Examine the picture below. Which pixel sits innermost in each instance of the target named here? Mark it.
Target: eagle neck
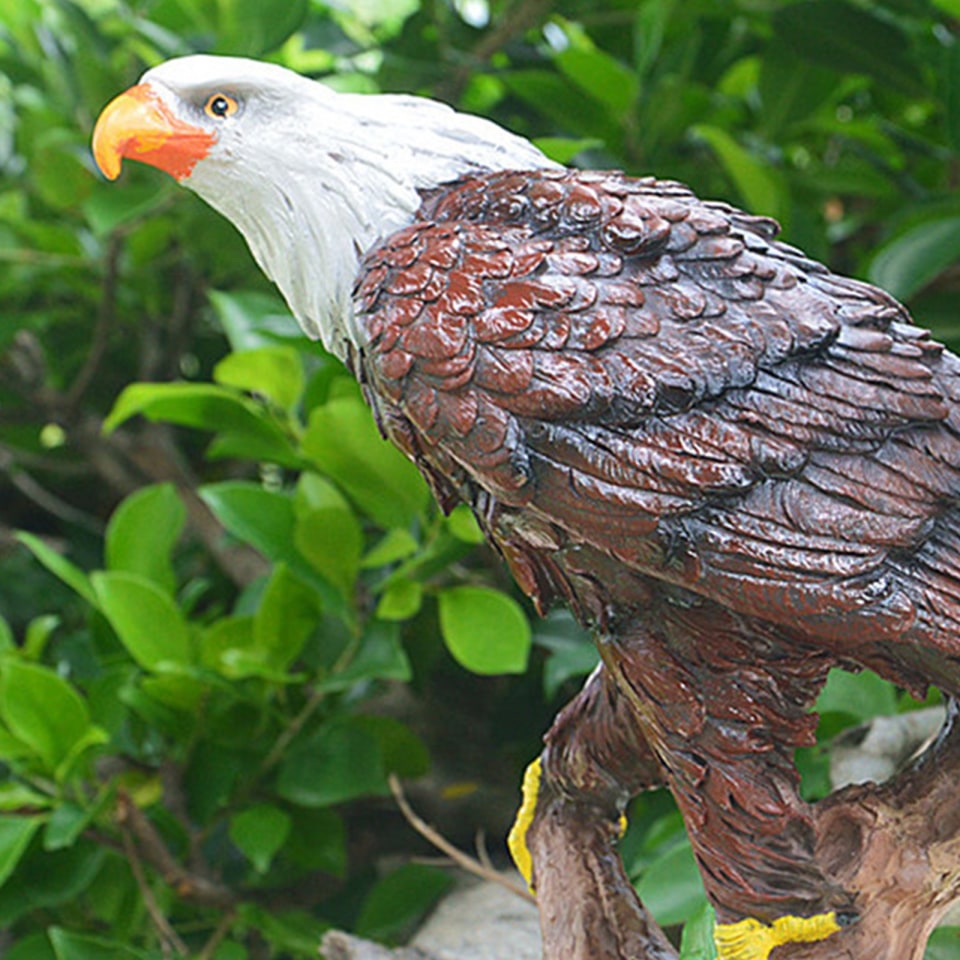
(311, 207)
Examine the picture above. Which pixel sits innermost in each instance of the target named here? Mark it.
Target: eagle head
(311, 177)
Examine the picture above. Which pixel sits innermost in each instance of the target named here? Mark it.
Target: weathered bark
(897, 847)
(887, 855)
(596, 757)
(588, 909)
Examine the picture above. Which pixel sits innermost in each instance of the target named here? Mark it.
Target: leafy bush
(231, 611)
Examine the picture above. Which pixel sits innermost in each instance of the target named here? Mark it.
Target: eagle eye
(220, 105)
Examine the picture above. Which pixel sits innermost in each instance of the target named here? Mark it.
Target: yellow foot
(517, 838)
(752, 940)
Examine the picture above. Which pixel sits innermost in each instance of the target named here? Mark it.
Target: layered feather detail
(662, 379)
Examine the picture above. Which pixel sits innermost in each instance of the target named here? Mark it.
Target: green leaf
(398, 901)
(327, 532)
(791, 89)
(401, 750)
(15, 836)
(257, 516)
(266, 520)
(572, 651)
(39, 631)
(601, 77)
(650, 26)
(259, 832)
(951, 7)
(225, 633)
(58, 171)
(253, 29)
(949, 77)
(34, 946)
(206, 406)
(66, 823)
(813, 765)
(859, 696)
(42, 710)
(380, 657)
(463, 525)
(560, 100)
(755, 182)
(566, 149)
(343, 442)
(485, 630)
(913, 259)
(76, 946)
(176, 687)
(15, 796)
(849, 39)
(401, 600)
(6, 637)
(59, 566)
(202, 405)
(252, 319)
(14, 750)
(395, 545)
(142, 533)
(697, 942)
(215, 772)
(339, 762)
(287, 615)
(321, 840)
(290, 933)
(147, 621)
(275, 372)
(388, 15)
(50, 879)
(108, 208)
(671, 888)
(944, 942)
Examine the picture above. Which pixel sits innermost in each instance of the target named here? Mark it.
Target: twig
(480, 844)
(186, 884)
(463, 860)
(168, 935)
(216, 938)
(314, 698)
(101, 333)
(521, 16)
(50, 502)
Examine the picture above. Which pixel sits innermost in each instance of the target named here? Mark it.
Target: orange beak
(138, 125)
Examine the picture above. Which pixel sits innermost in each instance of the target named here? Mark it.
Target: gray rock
(482, 921)
(879, 749)
(478, 921)
(337, 945)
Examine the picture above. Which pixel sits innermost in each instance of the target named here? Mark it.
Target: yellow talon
(517, 838)
(752, 940)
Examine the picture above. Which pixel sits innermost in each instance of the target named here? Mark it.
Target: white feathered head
(311, 177)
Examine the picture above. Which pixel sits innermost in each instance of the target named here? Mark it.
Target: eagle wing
(661, 378)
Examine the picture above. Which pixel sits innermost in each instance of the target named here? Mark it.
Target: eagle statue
(738, 469)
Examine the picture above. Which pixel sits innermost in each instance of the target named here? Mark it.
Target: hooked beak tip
(139, 125)
(114, 131)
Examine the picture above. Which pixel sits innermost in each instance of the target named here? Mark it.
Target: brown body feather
(736, 466)
(659, 378)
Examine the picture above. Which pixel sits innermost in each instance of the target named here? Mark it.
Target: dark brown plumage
(736, 466)
(739, 469)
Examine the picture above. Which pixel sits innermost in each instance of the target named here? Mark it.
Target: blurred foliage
(230, 611)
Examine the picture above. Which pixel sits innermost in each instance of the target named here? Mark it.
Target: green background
(221, 628)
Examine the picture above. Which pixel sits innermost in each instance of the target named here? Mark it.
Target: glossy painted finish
(737, 467)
